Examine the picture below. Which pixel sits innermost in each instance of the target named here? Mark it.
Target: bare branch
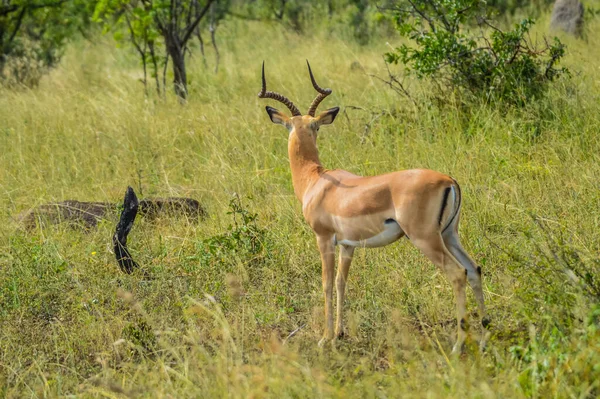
(213, 29)
(155, 65)
(394, 83)
(201, 40)
(17, 26)
(142, 52)
(296, 331)
(190, 29)
(165, 74)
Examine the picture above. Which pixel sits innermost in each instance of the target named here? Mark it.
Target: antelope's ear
(327, 117)
(277, 117)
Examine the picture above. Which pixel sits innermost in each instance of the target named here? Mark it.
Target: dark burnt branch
(130, 208)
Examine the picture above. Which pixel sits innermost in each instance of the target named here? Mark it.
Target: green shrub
(492, 64)
(33, 35)
(243, 240)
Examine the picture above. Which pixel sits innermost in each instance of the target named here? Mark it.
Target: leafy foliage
(149, 24)
(495, 65)
(244, 238)
(33, 34)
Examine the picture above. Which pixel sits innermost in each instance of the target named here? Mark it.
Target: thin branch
(394, 83)
(191, 28)
(199, 36)
(172, 19)
(213, 29)
(279, 14)
(165, 74)
(155, 65)
(141, 51)
(486, 22)
(296, 331)
(367, 128)
(422, 15)
(442, 17)
(7, 9)
(191, 8)
(17, 26)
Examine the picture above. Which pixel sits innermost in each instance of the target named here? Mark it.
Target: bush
(494, 65)
(33, 35)
(243, 240)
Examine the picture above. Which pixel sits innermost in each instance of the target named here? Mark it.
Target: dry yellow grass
(215, 324)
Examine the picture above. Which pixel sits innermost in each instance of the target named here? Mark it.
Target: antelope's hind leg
(434, 248)
(452, 241)
(346, 254)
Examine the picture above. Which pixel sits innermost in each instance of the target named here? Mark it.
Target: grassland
(212, 317)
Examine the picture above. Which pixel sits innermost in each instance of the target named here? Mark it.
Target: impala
(352, 211)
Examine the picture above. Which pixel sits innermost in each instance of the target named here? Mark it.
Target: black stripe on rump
(444, 203)
(457, 208)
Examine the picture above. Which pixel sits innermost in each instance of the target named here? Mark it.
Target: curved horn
(320, 97)
(276, 96)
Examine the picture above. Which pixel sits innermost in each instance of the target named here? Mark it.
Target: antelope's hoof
(485, 322)
(340, 334)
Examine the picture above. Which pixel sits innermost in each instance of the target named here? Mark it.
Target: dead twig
(296, 331)
(375, 115)
(394, 83)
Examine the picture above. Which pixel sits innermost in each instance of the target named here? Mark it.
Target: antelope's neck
(305, 164)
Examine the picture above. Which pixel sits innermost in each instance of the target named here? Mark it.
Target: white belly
(390, 233)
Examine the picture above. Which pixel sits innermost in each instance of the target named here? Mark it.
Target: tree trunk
(179, 74)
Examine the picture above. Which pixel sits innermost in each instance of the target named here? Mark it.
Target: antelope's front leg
(326, 248)
(346, 254)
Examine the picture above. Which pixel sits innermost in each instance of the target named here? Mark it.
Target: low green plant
(244, 239)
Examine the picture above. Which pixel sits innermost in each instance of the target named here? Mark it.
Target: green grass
(215, 324)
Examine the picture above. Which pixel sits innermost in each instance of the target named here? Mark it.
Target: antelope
(352, 211)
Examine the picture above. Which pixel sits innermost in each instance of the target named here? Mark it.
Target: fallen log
(87, 215)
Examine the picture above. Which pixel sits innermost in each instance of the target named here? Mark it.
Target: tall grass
(232, 322)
